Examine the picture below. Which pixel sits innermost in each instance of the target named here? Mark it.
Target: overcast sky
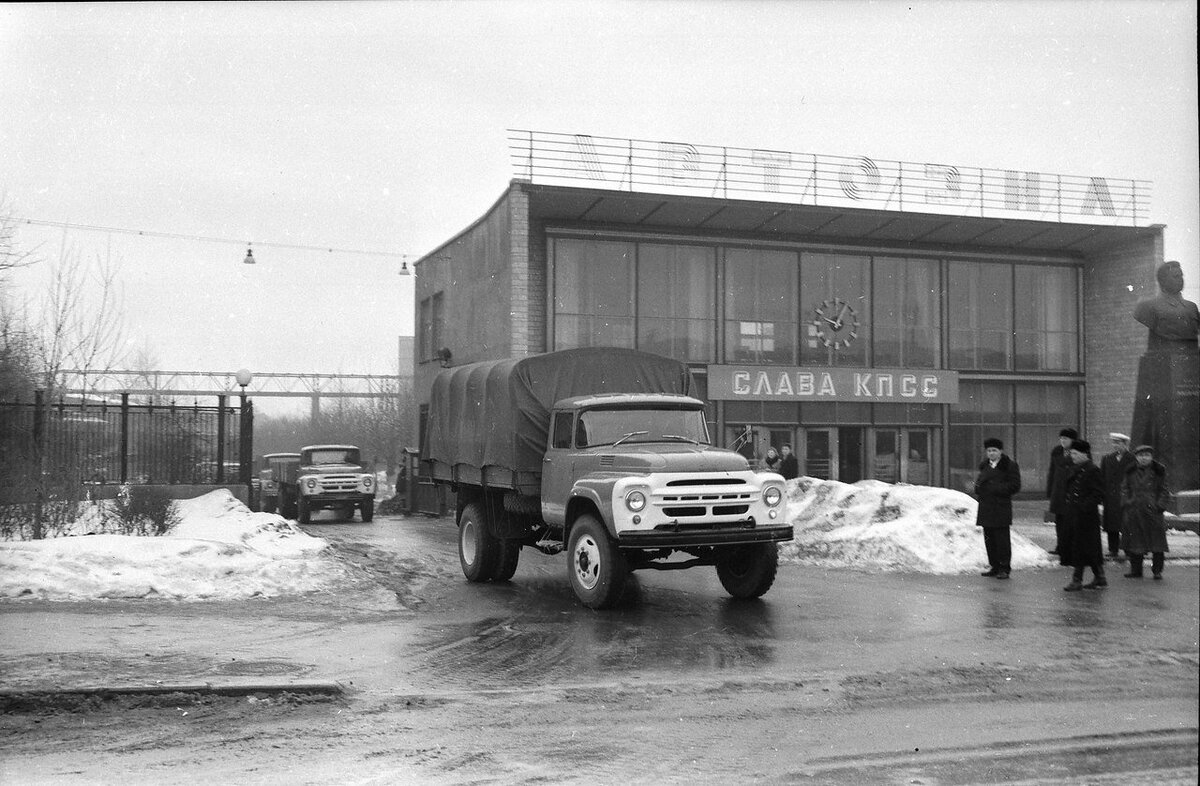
(381, 127)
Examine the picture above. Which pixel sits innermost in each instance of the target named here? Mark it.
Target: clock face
(836, 323)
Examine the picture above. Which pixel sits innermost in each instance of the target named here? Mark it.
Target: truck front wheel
(596, 567)
(478, 549)
(367, 509)
(748, 571)
(303, 513)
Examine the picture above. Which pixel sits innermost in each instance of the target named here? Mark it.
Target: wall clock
(836, 323)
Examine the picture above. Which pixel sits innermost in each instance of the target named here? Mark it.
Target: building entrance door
(901, 455)
(820, 453)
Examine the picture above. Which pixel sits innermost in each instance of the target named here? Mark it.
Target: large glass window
(1047, 318)
(835, 309)
(760, 306)
(593, 294)
(981, 315)
(1042, 410)
(906, 326)
(677, 301)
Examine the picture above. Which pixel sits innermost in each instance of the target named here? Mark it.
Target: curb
(16, 700)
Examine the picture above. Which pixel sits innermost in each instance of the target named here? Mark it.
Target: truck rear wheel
(268, 505)
(506, 564)
(748, 571)
(367, 509)
(478, 549)
(596, 567)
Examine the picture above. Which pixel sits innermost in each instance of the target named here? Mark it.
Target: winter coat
(1114, 466)
(789, 467)
(1145, 496)
(1084, 491)
(771, 463)
(994, 488)
(1056, 478)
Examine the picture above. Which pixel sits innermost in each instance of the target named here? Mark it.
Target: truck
(603, 453)
(278, 471)
(329, 477)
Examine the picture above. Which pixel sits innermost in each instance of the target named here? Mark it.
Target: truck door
(557, 469)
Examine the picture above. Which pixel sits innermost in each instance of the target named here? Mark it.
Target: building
(882, 318)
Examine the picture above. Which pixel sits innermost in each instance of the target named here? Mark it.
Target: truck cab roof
(673, 400)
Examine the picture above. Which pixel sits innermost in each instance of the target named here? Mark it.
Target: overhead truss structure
(224, 383)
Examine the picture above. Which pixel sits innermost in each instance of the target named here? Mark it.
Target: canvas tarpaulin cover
(496, 414)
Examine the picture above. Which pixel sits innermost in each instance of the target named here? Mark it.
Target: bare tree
(11, 254)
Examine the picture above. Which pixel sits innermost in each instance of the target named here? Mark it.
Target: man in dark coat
(999, 479)
(1056, 478)
(1113, 467)
(1146, 496)
(789, 466)
(1081, 519)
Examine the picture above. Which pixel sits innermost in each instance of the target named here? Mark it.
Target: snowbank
(220, 550)
(871, 525)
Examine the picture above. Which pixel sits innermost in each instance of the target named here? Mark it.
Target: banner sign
(826, 180)
(877, 385)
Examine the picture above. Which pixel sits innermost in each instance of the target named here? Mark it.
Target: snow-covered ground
(221, 550)
(871, 525)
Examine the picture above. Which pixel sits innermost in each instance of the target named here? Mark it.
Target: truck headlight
(311, 483)
(635, 501)
(367, 481)
(772, 496)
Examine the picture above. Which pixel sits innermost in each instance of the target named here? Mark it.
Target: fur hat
(1082, 445)
(1069, 433)
(992, 442)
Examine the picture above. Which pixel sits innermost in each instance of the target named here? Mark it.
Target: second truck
(605, 454)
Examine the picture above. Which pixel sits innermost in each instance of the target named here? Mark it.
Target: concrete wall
(1114, 280)
(474, 271)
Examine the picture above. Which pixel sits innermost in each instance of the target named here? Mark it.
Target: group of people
(783, 461)
(1130, 487)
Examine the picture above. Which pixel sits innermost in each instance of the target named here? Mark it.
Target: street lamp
(404, 271)
(249, 260)
(245, 434)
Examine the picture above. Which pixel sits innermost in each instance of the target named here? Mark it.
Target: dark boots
(1135, 566)
(1156, 565)
(1098, 580)
(1076, 581)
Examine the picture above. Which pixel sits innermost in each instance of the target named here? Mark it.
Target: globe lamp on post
(246, 434)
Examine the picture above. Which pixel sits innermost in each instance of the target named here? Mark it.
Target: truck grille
(339, 483)
(699, 504)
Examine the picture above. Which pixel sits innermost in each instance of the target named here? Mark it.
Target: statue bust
(1173, 321)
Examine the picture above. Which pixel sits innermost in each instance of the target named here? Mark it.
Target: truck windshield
(333, 456)
(609, 426)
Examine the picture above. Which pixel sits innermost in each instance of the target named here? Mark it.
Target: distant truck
(278, 472)
(329, 477)
(603, 453)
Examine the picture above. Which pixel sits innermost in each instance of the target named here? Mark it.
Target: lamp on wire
(249, 260)
(404, 271)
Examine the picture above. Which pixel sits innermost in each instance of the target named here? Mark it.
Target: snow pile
(220, 550)
(878, 526)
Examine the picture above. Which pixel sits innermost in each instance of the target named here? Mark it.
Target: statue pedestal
(1166, 413)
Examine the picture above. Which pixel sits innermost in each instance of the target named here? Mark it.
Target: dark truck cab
(603, 453)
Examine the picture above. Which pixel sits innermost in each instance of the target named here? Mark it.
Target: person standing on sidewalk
(1056, 485)
(1146, 497)
(999, 479)
(1081, 530)
(1113, 466)
(789, 466)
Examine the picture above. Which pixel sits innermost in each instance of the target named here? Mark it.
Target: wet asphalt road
(835, 676)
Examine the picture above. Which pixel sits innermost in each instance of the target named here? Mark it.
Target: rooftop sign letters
(828, 180)
(871, 385)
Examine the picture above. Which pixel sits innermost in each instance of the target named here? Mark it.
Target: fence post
(124, 438)
(220, 439)
(246, 444)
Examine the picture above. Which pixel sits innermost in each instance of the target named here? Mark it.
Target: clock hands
(838, 324)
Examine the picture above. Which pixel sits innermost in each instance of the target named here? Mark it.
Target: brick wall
(1114, 280)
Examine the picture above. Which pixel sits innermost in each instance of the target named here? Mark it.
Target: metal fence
(105, 441)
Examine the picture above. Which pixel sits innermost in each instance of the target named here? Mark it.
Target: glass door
(820, 453)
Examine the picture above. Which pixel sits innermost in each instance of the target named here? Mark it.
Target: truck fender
(592, 495)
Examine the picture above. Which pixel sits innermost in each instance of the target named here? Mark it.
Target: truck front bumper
(673, 536)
